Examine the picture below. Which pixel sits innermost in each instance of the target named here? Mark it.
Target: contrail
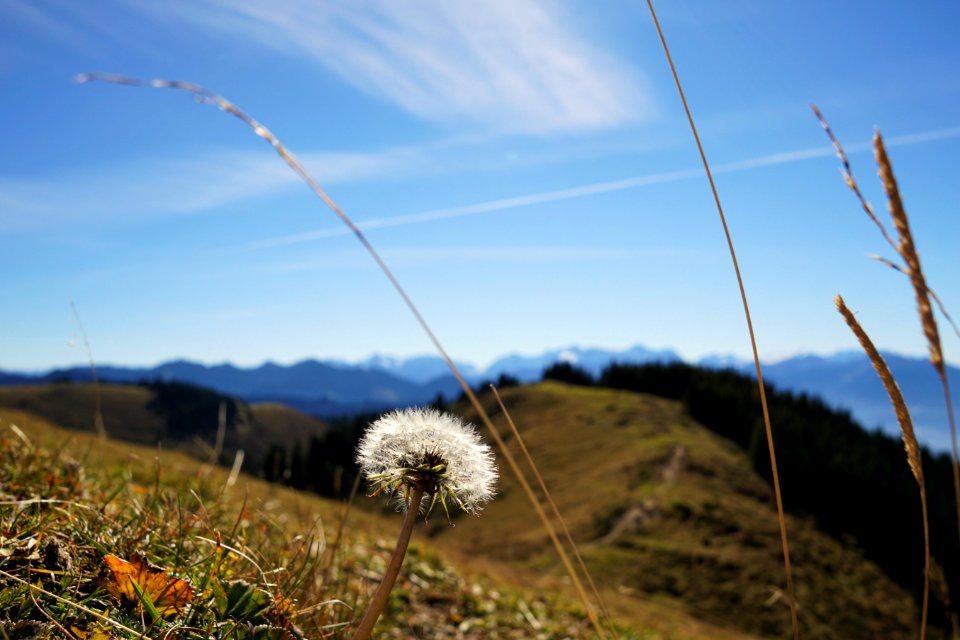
(583, 191)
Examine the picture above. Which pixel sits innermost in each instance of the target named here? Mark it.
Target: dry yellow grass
(909, 440)
(784, 541)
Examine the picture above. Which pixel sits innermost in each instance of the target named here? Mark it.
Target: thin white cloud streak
(212, 316)
(217, 179)
(493, 206)
(422, 256)
(508, 66)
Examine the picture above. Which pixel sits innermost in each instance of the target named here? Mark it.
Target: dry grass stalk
(933, 296)
(910, 443)
(226, 106)
(97, 412)
(907, 250)
(753, 341)
(847, 173)
(555, 509)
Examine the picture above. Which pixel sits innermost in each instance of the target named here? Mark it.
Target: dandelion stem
(382, 594)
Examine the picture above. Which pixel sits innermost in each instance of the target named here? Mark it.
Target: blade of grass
(69, 603)
(335, 547)
(753, 340)
(97, 413)
(53, 621)
(910, 443)
(847, 172)
(226, 106)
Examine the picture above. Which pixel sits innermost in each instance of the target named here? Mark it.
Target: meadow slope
(183, 417)
(678, 531)
(173, 509)
(667, 511)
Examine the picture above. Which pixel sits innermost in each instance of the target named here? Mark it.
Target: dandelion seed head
(431, 450)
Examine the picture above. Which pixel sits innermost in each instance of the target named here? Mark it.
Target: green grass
(69, 500)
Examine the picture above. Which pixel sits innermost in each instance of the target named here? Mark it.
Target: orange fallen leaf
(131, 580)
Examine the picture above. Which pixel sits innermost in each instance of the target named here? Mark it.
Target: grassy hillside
(124, 408)
(262, 561)
(180, 416)
(677, 529)
(667, 510)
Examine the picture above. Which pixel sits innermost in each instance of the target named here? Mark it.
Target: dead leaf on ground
(137, 582)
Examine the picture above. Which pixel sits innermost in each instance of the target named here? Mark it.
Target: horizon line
(746, 359)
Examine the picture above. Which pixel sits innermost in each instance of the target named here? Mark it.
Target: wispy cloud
(81, 27)
(148, 188)
(40, 19)
(521, 67)
(596, 188)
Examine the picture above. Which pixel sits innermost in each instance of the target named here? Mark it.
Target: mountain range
(844, 380)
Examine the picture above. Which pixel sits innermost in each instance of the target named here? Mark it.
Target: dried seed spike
(910, 443)
(908, 251)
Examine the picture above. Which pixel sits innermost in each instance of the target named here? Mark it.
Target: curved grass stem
(753, 340)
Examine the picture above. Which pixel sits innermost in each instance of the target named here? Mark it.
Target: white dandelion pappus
(434, 451)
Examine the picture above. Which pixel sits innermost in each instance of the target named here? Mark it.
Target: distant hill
(176, 415)
(312, 386)
(325, 388)
(419, 369)
(848, 381)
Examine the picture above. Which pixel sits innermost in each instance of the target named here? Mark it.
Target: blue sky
(524, 167)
